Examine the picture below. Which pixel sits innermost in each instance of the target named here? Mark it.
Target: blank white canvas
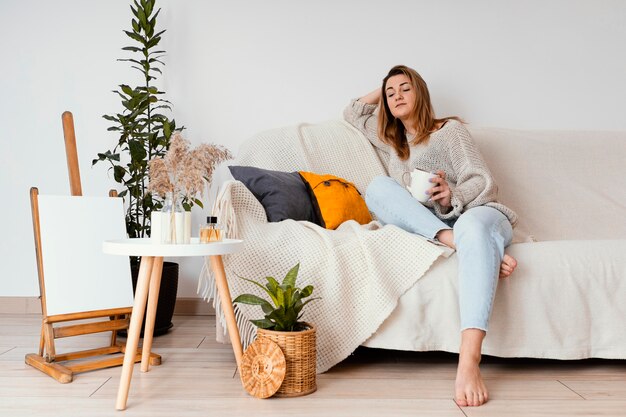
(78, 276)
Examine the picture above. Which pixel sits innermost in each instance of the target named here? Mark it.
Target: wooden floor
(197, 379)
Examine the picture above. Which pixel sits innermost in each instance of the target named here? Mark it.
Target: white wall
(235, 68)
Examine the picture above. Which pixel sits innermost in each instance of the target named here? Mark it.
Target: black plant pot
(167, 298)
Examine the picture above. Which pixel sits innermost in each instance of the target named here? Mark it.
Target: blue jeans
(480, 236)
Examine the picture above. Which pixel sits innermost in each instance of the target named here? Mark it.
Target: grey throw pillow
(282, 194)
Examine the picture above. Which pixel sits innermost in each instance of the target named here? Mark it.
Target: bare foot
(470, 390)
(507, 266)
(446, 236)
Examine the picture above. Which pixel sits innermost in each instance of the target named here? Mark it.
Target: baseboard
(193, 307)
(32, 305)
(20, 305)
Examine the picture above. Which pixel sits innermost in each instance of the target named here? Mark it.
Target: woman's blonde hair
(392, 130)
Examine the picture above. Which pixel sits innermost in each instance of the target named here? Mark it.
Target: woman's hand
(441, 191)
(371, 98)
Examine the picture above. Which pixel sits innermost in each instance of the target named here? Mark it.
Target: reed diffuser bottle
(211, 231)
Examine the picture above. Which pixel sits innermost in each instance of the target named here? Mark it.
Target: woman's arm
(474, 185)
(360, 114)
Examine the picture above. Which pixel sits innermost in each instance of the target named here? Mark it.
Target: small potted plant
(282, 326)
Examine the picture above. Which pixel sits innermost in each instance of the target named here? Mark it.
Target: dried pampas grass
(184, 171)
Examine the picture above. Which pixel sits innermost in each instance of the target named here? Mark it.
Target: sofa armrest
(246, 204)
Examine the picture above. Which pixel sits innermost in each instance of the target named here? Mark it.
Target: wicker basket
(300, 355)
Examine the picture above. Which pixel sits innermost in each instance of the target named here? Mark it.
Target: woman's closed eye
(404, 90)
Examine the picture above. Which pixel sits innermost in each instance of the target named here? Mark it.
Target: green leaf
(131, 48)
(166, 129)
(271, 285)
(160, 33)
(306, 291)
(118, 173)
(289, 299)
(198, 202)
(141, 15)
(310, 299)
(297, 307)
(130, 60)
(149, 6)
(153, 20)
(112, 156)
(136, 37)
(290, 278)
(137, 151)
(290, 319)
(252, 300)
(262, 287)
(280, 318)
(263, 323)
(126, 89)
(136, 28)
(267, 308)
(280, 297)
(153, 42)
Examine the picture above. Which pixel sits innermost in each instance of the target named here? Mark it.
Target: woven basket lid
(263, 368)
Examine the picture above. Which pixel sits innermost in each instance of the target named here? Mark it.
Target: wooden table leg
(227, 306)
(153, 299)
(134, 330)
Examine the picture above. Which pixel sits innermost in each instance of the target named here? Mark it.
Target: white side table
(147, 289)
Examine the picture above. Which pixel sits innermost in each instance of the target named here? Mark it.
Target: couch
(566, 299)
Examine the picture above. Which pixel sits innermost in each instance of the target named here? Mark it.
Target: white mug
(419, 183)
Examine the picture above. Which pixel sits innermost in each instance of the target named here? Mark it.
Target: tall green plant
(144, 132)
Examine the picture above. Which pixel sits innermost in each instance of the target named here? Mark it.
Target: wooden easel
(47, 360)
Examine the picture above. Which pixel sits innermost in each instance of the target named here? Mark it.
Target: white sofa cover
(567, 298)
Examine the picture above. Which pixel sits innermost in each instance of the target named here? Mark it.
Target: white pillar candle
(180, 227)
(166, 227)
(156, 226)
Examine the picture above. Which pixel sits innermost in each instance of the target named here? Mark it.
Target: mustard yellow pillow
(335, 200)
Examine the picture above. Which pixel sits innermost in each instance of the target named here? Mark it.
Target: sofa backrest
(564, 185)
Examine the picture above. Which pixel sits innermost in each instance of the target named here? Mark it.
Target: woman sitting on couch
(462, 212)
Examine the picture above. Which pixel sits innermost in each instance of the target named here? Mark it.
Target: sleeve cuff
(362, 107)
(457, 206)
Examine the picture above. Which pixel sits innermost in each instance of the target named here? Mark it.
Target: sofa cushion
(282, 194)
(335, 200)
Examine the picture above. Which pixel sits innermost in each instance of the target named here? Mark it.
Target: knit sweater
(450, 149)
